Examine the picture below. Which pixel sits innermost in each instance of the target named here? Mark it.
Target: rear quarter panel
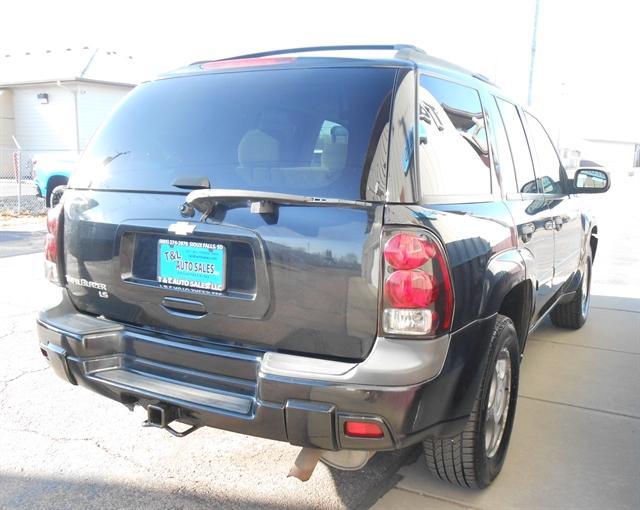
(480, 243)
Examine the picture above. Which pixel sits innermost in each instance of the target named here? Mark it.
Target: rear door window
(453, 148)
(502, 157)
(300, 131)
(526, 178)
(547, 162)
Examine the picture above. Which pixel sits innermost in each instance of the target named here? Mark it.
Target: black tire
(573, 315)
(56, 195)
(464, 459)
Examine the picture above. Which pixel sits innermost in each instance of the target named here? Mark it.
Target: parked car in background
(340, 251)
(51, 174)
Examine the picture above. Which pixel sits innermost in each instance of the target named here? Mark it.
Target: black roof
(374, 54)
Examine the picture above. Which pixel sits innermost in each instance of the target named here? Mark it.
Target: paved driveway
(576, 439)
(576, 442)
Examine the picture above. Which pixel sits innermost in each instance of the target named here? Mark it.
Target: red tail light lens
(51, 244)
(51, 248)
(408, 251)
(246, 62)
(410, 289)
(363, 429)
(417, 292)
(51, 239)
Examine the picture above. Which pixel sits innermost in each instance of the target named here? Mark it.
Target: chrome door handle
(526, 231)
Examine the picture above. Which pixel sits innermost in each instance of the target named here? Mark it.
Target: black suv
(343, 248)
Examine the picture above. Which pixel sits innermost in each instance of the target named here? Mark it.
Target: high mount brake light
(51, 250)
(246, 62)
(417, 291)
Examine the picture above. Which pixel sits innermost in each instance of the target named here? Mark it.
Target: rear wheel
(56, 184)
(474, 457)
(56, 195)
(573, 314)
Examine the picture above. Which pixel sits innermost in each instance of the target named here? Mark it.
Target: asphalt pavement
(576, 441)
(20, 242)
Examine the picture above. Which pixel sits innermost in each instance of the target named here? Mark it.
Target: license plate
(191, 264)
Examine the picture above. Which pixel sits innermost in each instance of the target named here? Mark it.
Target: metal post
(533, 52)
(19, 184)
(17, 163)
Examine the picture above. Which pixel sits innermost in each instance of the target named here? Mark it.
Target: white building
(53, 101)
(612, 154)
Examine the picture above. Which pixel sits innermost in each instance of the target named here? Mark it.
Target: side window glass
(547, 161)
(502, 158)
(525, 176)
(453, 147)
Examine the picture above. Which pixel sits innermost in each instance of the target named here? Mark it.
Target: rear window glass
(302, 131)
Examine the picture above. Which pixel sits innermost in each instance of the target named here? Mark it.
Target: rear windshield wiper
(261, 202)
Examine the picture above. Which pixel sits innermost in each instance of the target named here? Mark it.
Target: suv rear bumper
(412, 389)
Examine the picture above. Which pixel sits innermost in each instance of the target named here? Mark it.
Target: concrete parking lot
(576, 441)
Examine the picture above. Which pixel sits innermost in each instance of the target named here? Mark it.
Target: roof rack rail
(308, 49)
(482, 77)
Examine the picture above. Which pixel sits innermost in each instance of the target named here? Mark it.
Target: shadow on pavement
(33, 491)
(64, 493)
(378, 477)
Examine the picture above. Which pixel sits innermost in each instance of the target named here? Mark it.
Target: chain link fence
(19, 190)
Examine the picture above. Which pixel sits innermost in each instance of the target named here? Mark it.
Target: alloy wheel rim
(498, 403)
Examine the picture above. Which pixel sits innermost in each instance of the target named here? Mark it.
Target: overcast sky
(586, 75)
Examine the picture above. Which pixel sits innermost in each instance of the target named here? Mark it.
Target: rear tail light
(363, 429)
(417, 292)
(408, 251)
(52, 244)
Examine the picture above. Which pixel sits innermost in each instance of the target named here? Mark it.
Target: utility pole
(533, 52)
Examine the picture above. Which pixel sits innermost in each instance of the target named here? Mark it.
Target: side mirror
(591, 180)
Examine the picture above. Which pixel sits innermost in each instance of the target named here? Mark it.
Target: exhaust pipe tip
(346, 460)
(305, 464)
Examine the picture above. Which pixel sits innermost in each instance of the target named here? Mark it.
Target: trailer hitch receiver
(162, 415)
